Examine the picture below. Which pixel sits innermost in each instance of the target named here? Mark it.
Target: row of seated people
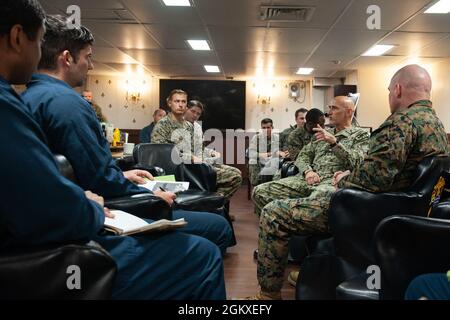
(56, 210)
(346, 157)
(50, 117)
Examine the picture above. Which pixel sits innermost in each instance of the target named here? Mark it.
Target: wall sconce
(263, 99)
(264, 92)
(134, 91)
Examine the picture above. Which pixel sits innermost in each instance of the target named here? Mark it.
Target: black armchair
(43, 273)
(409, 246)
(355, 214)
(142, 205)
(201, 195)
(353, 217)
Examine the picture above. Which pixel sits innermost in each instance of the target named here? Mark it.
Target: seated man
(298, 205)
(300, 119)
(264, 155)
(411, 133)
(194, 111)
(173, 128)
(303, 135)
(49, 209)
(146, 133)
(72, 130)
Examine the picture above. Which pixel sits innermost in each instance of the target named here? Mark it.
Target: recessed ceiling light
(213, 69)
(377, 50)
(442, 6)
(305, 71)
(199, 44)
(177, 3)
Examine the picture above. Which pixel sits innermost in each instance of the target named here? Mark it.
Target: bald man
(411, 133)
(298, 205)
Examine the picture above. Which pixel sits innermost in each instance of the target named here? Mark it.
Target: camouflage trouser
(298, 212)
(286, 188)
(229, 179)
(253, 173)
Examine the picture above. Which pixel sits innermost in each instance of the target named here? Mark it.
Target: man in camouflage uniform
(264, 154)
(300, 115)
(303, 135)
(230, 177)
(411, 133)
(298, 205)
(174, 129)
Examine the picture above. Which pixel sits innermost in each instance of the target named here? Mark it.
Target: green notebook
(165, 178)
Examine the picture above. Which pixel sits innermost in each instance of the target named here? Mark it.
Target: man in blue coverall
(39, 206)
(73, 130)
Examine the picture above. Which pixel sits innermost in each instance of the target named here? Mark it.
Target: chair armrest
(42, 273)
(154, 171)
(441, 210)
(354, 215)
(201, 176)
(143, 205)
(408, 246)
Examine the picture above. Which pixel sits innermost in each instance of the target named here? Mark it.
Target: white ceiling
(147, 33)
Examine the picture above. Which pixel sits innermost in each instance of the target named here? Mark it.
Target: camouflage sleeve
(161, 133)
(353, 156)
(305, 157)
(388, 151)
(295, 144)
(253, 150)
(284, 140)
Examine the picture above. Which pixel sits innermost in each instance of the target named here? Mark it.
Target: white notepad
(124, 224)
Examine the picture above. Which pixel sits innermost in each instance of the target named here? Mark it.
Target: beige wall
(441, 91)
(110, 94)
(281, 108)
(373, 108)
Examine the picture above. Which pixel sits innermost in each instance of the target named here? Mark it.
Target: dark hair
(313, 115)
(174, 92)
(301, 110)
(61, 36)
(266, 121)
(196, 103)
(27, 13)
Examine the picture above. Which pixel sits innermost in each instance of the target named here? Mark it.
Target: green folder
(165, 178)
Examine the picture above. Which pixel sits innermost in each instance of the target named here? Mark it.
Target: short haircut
(313, 115)
(27, 13)
(61, 36)
(176, 91)
(301, 110)
(266, 121)
(157, 110)
(196, 103)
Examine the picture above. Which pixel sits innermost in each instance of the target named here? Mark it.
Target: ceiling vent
(286, 13)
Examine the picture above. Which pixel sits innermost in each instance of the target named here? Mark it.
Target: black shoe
(255, 254)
